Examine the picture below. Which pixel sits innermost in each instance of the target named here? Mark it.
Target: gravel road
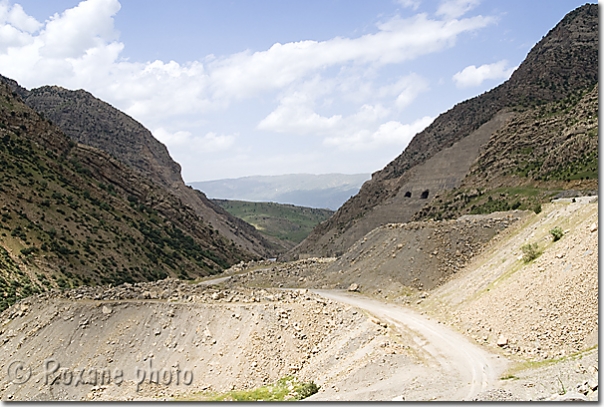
(465, 368)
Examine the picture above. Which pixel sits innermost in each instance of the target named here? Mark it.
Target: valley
(285, 225)
(465, 269)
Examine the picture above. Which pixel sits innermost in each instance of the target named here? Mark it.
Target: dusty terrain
(497, 329)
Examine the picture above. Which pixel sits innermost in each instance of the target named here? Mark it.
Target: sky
(237, 88)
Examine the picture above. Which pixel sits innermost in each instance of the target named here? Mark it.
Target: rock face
(426, 168)
(92, 122)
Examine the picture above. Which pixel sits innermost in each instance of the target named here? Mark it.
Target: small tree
(537, 208)
(557, 233)
(530, 252)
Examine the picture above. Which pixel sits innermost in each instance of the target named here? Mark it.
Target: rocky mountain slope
(90, 121)
(538, 154)
(71, 214)
(562, 67)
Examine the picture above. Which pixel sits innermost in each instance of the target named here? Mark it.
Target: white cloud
(295, 116)
(391, 133)
(412, 4)
(79, 49)
(16, 17)
(15, 26)
(209, 143)
(296, 113)
(407, 89)
(330, 88)
(75, 31)
(473, 76)
(451, 9)
(397, 40)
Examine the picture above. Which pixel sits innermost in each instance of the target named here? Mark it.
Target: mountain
(90, 121)
(559, 72)
(328, 191)
(71, 214)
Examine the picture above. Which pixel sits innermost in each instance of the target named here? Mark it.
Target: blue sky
(238, 88)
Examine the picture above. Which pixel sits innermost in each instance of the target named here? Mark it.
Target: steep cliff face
(564, 63)
(92, 122)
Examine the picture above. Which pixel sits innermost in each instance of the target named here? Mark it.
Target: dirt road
(465, 368)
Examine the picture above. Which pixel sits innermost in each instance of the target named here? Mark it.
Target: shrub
(537, 209)
(557, 233)
(530, 252)
(306, 390)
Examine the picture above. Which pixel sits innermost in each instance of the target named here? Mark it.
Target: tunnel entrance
(408, 194)
(425, 194)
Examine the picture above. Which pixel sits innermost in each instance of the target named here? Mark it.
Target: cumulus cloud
(16, 26)
(451, 9)
(297, 112)
(473, 76)
(80, 48)
(391, 133)
(17, 18)
(77, 30)
(209, 143)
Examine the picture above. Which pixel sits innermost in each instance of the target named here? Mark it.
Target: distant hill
(285, 224)
(327, 191)
(532, 136)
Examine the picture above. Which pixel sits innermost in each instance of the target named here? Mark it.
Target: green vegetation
(585, 167)
(65, 228)
(14, 283)
(556, 233)
(284, 222)
(530, 252)
(477, 201)
(287, 388)
(536, 364)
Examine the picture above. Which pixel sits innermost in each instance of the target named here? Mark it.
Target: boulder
(502, 340)
(353, 287)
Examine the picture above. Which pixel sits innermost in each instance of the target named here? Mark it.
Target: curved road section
(453, 355)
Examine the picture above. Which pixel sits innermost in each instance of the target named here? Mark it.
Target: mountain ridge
(310, 190)
(540, 79)
(71, 214)
(91, 121)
